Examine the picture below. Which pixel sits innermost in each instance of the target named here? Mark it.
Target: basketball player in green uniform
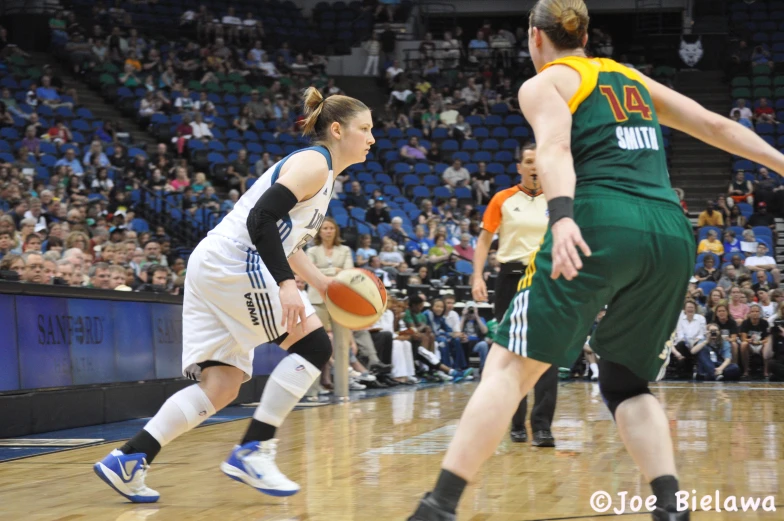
(617, 237)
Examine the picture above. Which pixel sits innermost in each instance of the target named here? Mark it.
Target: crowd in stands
(224, 106)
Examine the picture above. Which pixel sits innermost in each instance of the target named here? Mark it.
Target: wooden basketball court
(370, 460)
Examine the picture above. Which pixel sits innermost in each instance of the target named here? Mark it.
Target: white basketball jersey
(303, 221)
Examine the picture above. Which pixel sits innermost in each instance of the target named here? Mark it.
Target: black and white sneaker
(429, 510)
(664, 515)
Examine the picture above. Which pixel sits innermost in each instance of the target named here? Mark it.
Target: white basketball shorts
(231, 306)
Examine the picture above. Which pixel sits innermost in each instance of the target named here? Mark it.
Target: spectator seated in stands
(355, 198)
(753, 332)
(773, 350)
(456, 175)
(378, 213)
(738, 307)
(767, 189)
(766, 302)
(731, 243)
(440, 256)
(763, 218)
(745, 115)
(710, 216)
(374, 265)
(714, 357)
(711, 244)
(419, 246)
(396, 232)
(736, 218)
(448, 344)
(392, 260)
(708, 271)
(740, 191)
(689, 333)
(70, 161)
(156, 279)
(728, 278)
(729, 328)
(473, 331)
(764, 113)
(12, 267)
(748, 244)
(365, 251)
(735, 115)
(413, 151)
(464, 249)
(762, 263)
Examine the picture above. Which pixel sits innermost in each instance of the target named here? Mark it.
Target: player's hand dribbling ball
(356, 298)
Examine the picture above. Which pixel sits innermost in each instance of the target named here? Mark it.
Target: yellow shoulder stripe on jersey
(613, 66)
(589, 69)
(589, 72)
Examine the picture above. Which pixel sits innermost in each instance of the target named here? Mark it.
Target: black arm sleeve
(273, 205)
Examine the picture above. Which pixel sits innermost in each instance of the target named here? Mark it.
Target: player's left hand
(566, 239)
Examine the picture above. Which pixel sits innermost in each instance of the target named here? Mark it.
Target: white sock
(286, 386)
(595, 370)
(183, 411)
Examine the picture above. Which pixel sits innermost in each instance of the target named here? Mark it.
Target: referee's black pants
(546, 389)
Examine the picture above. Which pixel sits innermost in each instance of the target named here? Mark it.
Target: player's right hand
(292, 307)
(479, 289)
(566, 239)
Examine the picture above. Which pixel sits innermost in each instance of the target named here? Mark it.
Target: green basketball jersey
(617, 142)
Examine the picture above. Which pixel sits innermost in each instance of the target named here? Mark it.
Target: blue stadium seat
(482, 155)
(422, 168)
(439, 133)
(743, 164)
(480, 133)
(495, 168)
(500, 133)
(410, 180)
(503, 180)
(463, 193)
(762, 231)
(504, 156)
(474, 120)
(462, 156)
(513, 120)
(520, 133)
(745, 209)
(707, 286)
(450, 145)
(421, 192)
(442, 192)
(431, 180)
(470, 145)
(491, 145)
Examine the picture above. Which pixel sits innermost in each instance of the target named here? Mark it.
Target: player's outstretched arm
(681, 113)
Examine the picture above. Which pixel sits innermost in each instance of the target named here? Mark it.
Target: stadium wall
(71, 357)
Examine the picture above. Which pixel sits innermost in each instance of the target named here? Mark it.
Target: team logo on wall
(691, 53)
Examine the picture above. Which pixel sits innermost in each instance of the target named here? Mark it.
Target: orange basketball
(356, 298)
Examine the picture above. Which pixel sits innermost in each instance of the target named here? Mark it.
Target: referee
(519, 216)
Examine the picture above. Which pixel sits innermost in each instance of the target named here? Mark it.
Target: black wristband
(559, 208)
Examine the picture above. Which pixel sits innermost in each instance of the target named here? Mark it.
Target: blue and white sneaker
(125, 473)
(463, 375)
(254, 465)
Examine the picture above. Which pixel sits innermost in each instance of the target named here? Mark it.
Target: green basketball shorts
(642, 259)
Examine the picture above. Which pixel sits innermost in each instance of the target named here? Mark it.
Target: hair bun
(570, 20)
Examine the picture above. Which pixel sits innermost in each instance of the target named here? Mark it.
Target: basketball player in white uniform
(240, 292)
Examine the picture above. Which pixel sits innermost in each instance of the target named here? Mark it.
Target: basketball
(356, 298)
